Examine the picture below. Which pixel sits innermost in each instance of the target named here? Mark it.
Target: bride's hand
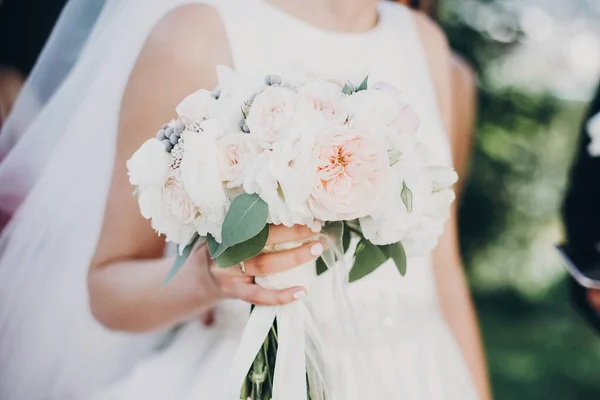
(234, 283)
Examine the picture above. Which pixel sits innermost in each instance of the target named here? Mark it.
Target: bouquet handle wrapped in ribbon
(293, 149)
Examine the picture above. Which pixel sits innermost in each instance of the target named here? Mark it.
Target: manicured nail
(299, 294)
(316, 249)
(316, 227)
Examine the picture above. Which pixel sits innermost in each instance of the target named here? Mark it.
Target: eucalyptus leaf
(180, 260)
(321, 266)
(346, 239)
(407, 197)
(396, 252)
(246, 217)
(213, 245)
(220, 250)
(336, 230)
(348, 89)
(367, 258)
(242, 251)
(363, 84)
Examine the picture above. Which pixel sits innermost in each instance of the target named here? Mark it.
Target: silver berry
(245, 128)
(168, 145)
(274, 80)
(174, 139)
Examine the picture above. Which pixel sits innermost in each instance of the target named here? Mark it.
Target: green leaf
(396, 252)
(213, 245)
(136, 190)
(180, 260)
(215, 248)
(363, 84)
(346, 238)
(367, 258)
(407, 197)
(246, 217)
(348, 89)
(321, 266)
(242, 251)
(336, 230)
(220, 250)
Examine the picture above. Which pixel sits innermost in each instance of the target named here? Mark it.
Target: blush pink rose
(352, 169)
(179, 202)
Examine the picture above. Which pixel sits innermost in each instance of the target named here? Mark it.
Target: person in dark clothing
(581, 213)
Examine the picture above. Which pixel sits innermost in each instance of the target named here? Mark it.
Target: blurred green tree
(538, 347)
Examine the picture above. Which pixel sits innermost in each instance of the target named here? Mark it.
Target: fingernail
(299, 294)
(316, 227)
(316, 249)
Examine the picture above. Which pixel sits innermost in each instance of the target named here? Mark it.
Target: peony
(431, 193)
(352, 167)
(325, 97)
(593, 127)
(148, 171)
(271, 115)
(199, 175)
(179, 202)
(196, 106)
(284, 178)
(235, 153)
(383, 109)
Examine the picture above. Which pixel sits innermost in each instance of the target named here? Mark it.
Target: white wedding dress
(413, 352)
(55, 178)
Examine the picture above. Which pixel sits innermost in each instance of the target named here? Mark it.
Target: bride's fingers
(271, 263)
(283, 234)
(255, 294)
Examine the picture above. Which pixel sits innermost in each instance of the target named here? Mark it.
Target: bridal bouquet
(295, 148)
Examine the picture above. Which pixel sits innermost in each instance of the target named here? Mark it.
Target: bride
(108, 331)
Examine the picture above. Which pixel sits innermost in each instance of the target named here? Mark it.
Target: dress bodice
(264, 39)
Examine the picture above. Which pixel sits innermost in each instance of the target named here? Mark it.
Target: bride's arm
(453, 291)
(464, 103)
(128, 268)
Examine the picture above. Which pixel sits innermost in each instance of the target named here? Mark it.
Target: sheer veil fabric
(56, 155)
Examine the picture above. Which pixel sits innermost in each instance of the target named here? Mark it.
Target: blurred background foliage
(537, 63)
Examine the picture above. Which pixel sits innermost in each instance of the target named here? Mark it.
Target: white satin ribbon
(295, 325)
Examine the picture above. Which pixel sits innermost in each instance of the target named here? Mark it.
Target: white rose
(236, 152)
(196, 106)
(271, 115)
(325, 97)
(390, 222)
(593, 128)
(149, 165)
(199, 173)
(148, 171)
(424, 232)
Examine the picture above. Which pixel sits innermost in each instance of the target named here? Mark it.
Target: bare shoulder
(189, 32)
(463, 75)
(433, 38)
(180, 56)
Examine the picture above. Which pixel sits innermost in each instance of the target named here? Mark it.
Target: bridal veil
(56, 153)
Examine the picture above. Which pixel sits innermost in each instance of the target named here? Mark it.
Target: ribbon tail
(260, 321)
(289, 381)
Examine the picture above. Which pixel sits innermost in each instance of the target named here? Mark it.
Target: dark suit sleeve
(581, 210)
